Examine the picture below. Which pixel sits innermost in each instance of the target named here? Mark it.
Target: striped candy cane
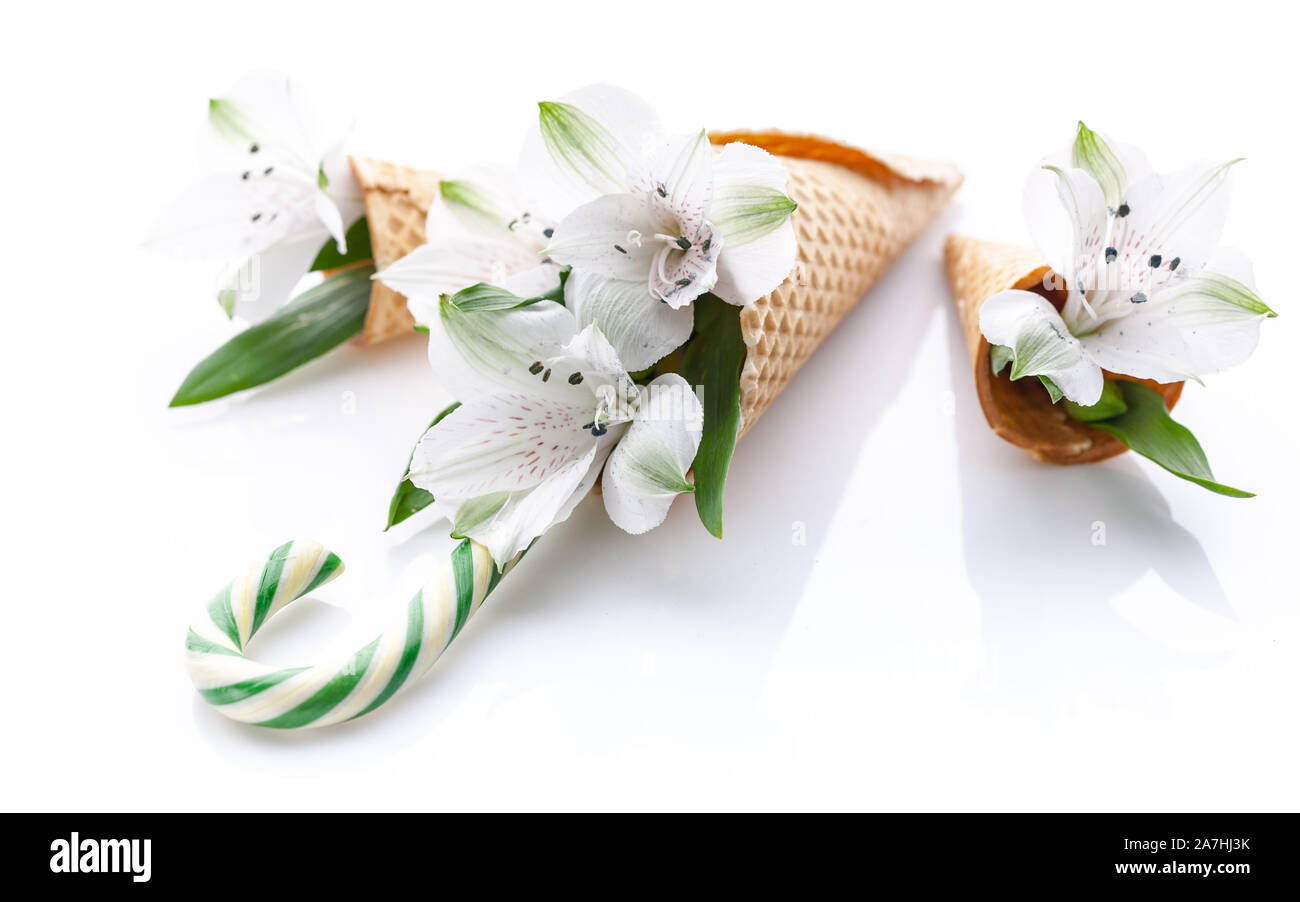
(356, 684)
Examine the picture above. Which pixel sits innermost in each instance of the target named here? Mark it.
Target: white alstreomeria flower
(651, 222)
(479, 229)
(281, 189)
(1150, 293)
(545, 407)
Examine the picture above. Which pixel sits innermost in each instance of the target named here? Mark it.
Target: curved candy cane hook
(343, 689)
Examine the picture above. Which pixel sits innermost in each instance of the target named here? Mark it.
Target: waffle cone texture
(397, 200)
(1021, 412)
(856, 213)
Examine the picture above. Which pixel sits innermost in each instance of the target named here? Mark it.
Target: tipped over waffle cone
(397, 200)
(1022, 412)
(857, 212)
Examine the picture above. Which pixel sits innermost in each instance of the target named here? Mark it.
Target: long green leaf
(1147, 428)
(358, 241)
(317, 321)
(713, 359)
(409, 499)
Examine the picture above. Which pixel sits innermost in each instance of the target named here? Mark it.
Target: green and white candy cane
(339, 690)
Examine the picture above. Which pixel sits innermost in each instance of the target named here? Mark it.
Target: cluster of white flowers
(645, 222)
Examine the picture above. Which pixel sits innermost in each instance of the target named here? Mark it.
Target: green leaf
(1147, 428)
(317, 321)
(1052, 390)
(358, 241)
(713, 359)
(1111, 405)
(409, 499)
(1094, 156)
(999, 357)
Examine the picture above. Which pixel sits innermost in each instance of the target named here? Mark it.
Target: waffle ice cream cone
(397, 200)
(857, 212)
(1021, 412)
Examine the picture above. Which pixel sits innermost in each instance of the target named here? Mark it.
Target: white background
(948, 638)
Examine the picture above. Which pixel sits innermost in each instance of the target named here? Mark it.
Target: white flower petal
(749, 199)
(486, 201)
(266, 282)
(500, 443)
(1132, 161)
(328, 213)
(533, 282)
(1197, 326)
(593, 157)
(341, 184)
(267, 119)
(528, 514)
(227, 217)
(744, 165)
(641, 328)
(450, 264)
(591, 354)
(678, 277)
(1041, 344)
(1067, 219)
(474, 353)
(1179, 216)
(677, 185)
(753, 269)
(648, 468)
(611, 236)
